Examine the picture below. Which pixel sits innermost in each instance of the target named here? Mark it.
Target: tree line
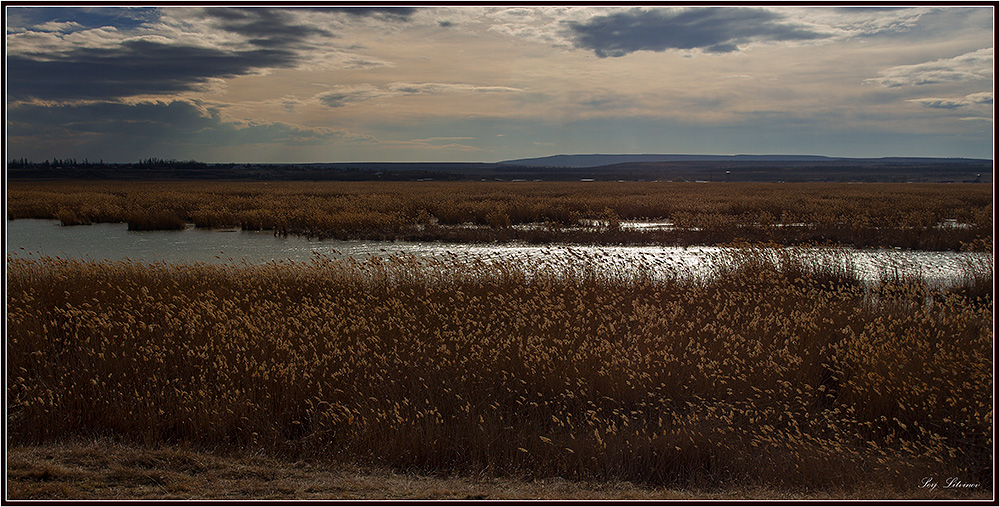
(67, 163)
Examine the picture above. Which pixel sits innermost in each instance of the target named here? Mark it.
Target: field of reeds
(919, 216)
(775, 374)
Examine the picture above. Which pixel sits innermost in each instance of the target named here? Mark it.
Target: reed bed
(922, 216)
(776, 373)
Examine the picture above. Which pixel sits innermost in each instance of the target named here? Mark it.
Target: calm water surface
(34, 238)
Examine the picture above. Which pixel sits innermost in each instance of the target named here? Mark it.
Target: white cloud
(344, 95)
(970, 66)
(859, 21)
(52, 43)
(59, 26)
(981, 98)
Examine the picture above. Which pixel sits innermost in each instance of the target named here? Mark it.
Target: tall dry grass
(925, 216)
(780, 373)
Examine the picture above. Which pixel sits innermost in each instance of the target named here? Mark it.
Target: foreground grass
(104, 470)
(919, 216)
(775, 375)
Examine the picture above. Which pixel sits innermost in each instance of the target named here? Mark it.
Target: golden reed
(776, 373)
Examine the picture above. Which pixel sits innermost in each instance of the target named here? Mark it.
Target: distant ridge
(596, 167)
(598, 160)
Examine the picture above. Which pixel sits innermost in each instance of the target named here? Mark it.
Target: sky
(491, 83)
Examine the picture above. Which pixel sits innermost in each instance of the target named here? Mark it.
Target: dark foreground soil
(100, 470)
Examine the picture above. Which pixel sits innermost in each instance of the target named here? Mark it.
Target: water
(35, 238)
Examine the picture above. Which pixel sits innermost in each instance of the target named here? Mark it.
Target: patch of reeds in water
(918, 216)
(777, 372)
(159, 220)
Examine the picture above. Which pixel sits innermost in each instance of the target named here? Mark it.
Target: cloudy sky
(478, 83)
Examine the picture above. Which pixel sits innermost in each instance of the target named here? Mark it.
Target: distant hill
(598, 160)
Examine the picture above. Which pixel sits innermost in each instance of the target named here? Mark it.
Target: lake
(35, 238)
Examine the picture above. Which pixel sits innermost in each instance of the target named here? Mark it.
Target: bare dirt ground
(100, 470)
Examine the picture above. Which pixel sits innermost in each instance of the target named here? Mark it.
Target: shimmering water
(35, 238)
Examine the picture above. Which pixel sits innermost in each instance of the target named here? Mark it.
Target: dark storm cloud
(144, 119)
(277, 26)
(134, 68)
(397, 13)
(971, 100)
(944, 103)
(275, 39)
(337, 99)
(108, 128)
(265, 27)
(714, 30)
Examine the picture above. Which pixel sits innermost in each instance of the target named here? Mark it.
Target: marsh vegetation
(777, 372)
(917, 216)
